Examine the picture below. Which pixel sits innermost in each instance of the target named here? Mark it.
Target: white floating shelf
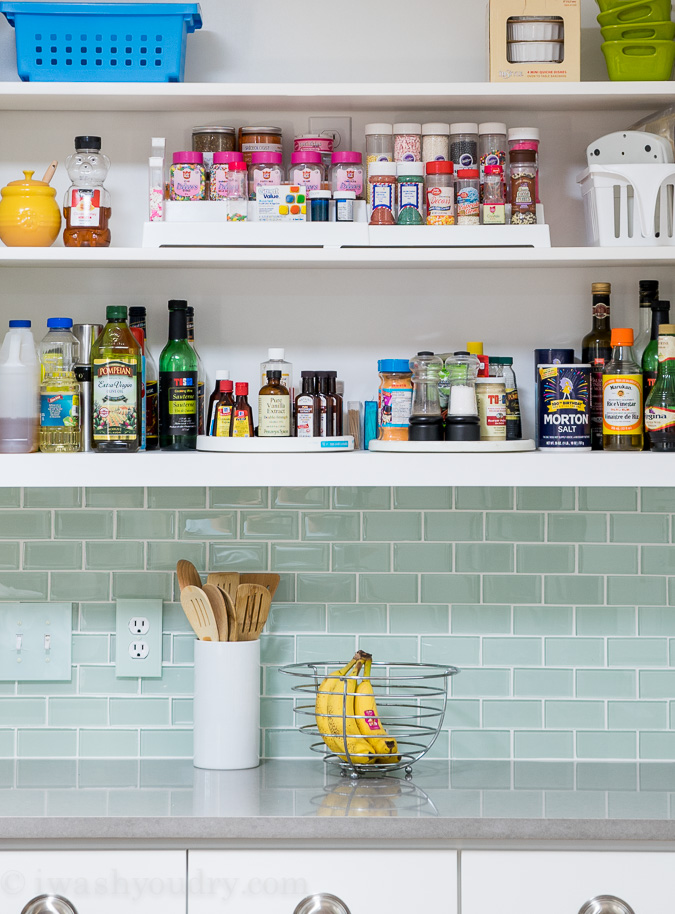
(453, 447)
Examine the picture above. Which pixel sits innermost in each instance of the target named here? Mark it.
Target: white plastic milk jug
(19, 390)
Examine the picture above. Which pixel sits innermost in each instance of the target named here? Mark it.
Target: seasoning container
(307, 413)
(346, 172)
(187, 178)
(382, 181)
(242, 414)
(435, 142)
(265, 168)
(462, 423)
(525, 138)
(464, 145)
(407, 143)
(440, 193)
(221, 405)
(523, 187)
(237, 192)
(209, 140)
(319, 205)
(426, 422)
(502, 367)
(491, 400)
(379, 147)
(259, 139)
(476, 348)
(156, 189)
(222, 162)
(493, 208)
(468, 200)
(410, 179)
(344, 205)
(315, 142)
(563, 405)
(307, 170)
(394, 399)
(491, 148)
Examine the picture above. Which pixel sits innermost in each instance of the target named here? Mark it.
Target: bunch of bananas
(347, 716)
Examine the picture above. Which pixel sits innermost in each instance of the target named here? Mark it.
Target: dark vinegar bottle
(596, 349)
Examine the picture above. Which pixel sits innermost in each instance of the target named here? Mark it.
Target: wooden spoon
(252, 609)
(199, 614)
(227, 581)
(217, 600)
(49, 174)
(188, 576)
(231, 617)
(270, 581)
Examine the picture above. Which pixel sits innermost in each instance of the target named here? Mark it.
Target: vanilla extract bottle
(274, 408)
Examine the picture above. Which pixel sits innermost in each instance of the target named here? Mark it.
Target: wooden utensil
(227, 581)
(217, 600)
(49, 174)
(270, 581)
(199, 614)
(231, 617)
(188, 576)
(252, 608)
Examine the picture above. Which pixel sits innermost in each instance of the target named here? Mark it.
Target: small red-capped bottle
(242, 414)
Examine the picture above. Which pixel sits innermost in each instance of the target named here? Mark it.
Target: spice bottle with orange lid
(622, 396)
(394, 399)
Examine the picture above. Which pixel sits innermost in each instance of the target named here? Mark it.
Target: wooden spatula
(227, 581)
(231, 617)
(199, 614)
(217, 600)
(188, 576)
(252, 608)
(270, 581)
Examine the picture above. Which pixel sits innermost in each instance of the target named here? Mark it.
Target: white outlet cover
(131, 660)
(340, 127)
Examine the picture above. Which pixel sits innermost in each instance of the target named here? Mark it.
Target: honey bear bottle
(87, 204)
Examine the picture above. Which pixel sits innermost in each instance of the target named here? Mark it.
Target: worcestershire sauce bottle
(178, 408)
(596, 349)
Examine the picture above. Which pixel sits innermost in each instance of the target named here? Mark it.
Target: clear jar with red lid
(440, 192)
(222, 164)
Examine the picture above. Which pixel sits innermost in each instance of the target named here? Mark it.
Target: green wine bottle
(178, 409)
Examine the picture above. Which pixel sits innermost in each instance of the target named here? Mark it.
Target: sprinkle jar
(468, 202)
(222, 165)
(382, 181)
(523, 187)
(379, 146)
(265, 168)
(307, 170)
(346, 172)
(464, 145)
(407, 143)
(435, 142)
(237, 192)
(525, 139)
(410, 178)
(187, 176)
(440, 188)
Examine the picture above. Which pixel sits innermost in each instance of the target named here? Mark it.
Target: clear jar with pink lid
(346, 173)
(222, 165)
(187, 176)
(307, 169)
(265, 168)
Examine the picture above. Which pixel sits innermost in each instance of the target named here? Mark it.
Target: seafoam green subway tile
(608, 498)
(545, 498)
(543, 775)
(24, 524)
(279, 684)
(7, 748)
(392, 526)
(657, 745)
(512, 588)
(657, 684)
(634, 589)
(139, 711)
(286, 591)
(638, 528)
(141, 584)
(119, 555)
(671, 591)
(656, 620)
(104, 773)
(165, 556)
(637, 715)
(543, 557)
(207, 525)
(108, 743)
(184, 648)
(86, 525)
(454, 650)
(49, 743)
(78, 712)
(482, 683)
(146, 525)
(52, 497)
(10, 555)
(658, 776)
(167, 743)
(574, 715)
(101, 680)
(637, 805)
(512, 714)
(52, 554)
(62, 687)
(276, 712)
(176, 497)
(480, 744)
(480, 619)
(323, 588)
(419, 619)
(361, 497)
(389, 588)
(606, 776)
(606, 683)
(361, 556)
(453, 526)
(513, 804)
(325, 647)
(181, 711)
(423, 497)
(606, 744)
(658, 498)
(43, 773)
(419, 557)
(605, 620)
(574, 588)
(286, 744)
(637, 652)
(114, 497)
(10, 497)
(450, 588)
(512, 651)
(277, 648)
(575, 652)
(567, 804)
(513, 527)
(658, 559)
(83, 585)
(605, 559)
(488, 498)
(24, 585)
(542, 620)
(90, 648)
(484, 557)
(331, 525)
(238, 557)
(462, 713)
(543, 683)
(176, 680)
(278, 525)
(300, 557)
(390, 648)
(537, 744)
(296, 617)
(577, 527)
(174, 618)
(238, 497)
(300, 497)
(354, 617)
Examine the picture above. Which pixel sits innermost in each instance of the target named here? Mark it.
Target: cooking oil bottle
(622, 428)
(60, 430)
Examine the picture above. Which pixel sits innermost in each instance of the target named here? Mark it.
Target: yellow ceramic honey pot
(29, 214)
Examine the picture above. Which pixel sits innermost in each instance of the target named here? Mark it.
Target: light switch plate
(35, 641)
(138, 639)
(340, 127)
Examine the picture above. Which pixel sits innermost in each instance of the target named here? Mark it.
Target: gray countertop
(460, 802)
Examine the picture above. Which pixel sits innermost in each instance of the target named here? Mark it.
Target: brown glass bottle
(332, 387)
(307, 415)
(221, 405)
(274, 408)
(241, 425)
(596, 350)
(328, 411)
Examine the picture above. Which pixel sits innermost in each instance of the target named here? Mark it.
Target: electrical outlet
(138, 644)
(35, 641)
(340, 127)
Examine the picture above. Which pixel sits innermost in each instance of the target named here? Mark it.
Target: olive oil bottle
(596, 350)
(116, 386)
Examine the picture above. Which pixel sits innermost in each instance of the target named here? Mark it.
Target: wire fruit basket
(383, 722)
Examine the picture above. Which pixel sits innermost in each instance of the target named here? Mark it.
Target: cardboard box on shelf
(503, 63)
(281, 203)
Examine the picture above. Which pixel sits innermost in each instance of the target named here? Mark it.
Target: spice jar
(209, 140)
(525, 138)
(319, 203)
(462, 423)
(344, 205)
(440, 188)
(379, 146)
(410, 179)
(464, 145)
(307, 170)
(346, 172)
(491, 148)
(407, 143)
(187, 176)
(394, 399)
(435, 142)
(491, 399)
(265, 168)
(259, 139)
(468, 202)
(315, 142)
(222, 163)
(523, 187)
(382, 182)
(236, 183)
(494, 202)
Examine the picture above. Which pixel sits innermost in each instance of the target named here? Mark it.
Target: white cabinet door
(97, 882)
(273, 882)
(559, 882)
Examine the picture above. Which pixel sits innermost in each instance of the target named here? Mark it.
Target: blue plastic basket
(102, 42)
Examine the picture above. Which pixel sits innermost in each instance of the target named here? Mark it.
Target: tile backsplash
(557, 603)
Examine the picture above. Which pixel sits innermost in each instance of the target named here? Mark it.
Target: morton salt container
(563, 407)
